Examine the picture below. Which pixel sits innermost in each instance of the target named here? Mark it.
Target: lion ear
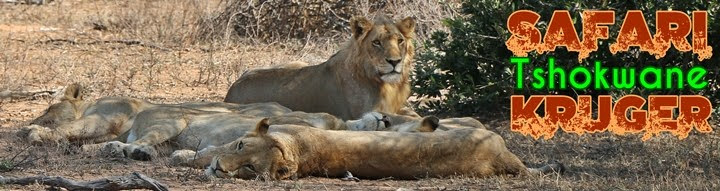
(262, 127)
(429, 124)
(359, 26)
(73, 92)
(407, 27)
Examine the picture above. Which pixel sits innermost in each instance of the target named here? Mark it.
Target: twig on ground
(7, 165)
(7, 94)
(125, 42)
(131, 181)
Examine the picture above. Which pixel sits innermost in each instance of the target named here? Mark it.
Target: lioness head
(370, 121)
(377, 121)
(255, 155)
(386, 45)
(67, 110)
(426, 124)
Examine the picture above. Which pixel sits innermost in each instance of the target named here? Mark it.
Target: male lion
(76, 119)
(369, 74)
(284, 151)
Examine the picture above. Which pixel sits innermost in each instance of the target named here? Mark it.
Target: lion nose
(393, 62)
(218, 168)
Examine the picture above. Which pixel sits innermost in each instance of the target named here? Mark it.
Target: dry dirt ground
(93, 43)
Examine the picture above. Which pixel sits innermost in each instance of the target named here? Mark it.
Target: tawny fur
(136, 126)
(400, 122)
(189, 130)
(77, 120)
(284, 151)
(353, 81)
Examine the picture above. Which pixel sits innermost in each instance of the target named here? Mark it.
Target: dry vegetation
(287, 19)
(154, 50)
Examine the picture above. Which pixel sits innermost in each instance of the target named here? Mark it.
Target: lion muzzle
(216, 171)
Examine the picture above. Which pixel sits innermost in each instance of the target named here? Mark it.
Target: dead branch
(11, 164)
(29, 2)
(131, 181)
(125, 42)
(7, 94)
(130, 43)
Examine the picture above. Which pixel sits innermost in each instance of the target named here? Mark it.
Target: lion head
(255, 155)
(426, 124)
(370, 121)
(377, 121)
(386, 46)
(68, 109)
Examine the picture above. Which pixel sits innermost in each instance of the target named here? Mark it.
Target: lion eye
(249, 167)
(240, 145)
(376, 43)
(400, 41)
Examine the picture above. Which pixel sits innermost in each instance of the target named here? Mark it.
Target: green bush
(472, 63)
(6, 166)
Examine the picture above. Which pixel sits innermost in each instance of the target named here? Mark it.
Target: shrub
(471, 62)
(271, 20)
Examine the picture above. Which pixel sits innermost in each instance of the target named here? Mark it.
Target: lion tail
(553, 167)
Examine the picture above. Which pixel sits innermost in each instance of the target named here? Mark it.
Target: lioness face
(57, 114)
(65, 111)
(378, 121)
(386, 45)
(253, 156)
(426, 124)
(370, 121)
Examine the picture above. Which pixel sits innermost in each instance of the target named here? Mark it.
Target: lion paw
(25, 131)
(36, 134)
(144, 153)
(92, 147)
(182, 157)
(114, 149)
(349, 177)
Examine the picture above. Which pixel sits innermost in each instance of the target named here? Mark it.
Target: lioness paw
(349, 177)
(92, 147)
(34, 138)
(113, 149)
(144, 153)
(182, 157)
(25, 131)
(38, 134)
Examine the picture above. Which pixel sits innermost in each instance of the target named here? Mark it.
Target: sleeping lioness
(404, 123)
(136, 126)
(376, 121)
(284, 151)
(75, 119)
(192, 129)
(371, 121)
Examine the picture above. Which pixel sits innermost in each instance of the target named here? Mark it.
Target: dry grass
(48, 46)
(313, 19)
(71, 49)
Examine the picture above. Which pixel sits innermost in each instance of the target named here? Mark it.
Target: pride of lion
(348, 114)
